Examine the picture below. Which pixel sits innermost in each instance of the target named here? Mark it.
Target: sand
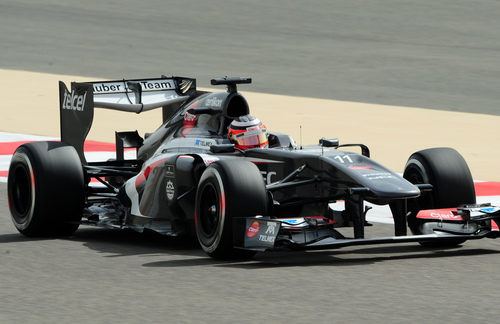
(30, 105)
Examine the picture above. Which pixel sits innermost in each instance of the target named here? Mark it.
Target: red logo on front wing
(442, 214)
(253, 229)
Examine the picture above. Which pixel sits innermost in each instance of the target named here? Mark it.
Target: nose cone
(393, 187)
(382, 182)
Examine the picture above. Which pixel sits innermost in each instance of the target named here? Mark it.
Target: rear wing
(76, 107)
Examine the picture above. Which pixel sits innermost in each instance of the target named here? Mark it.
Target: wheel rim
(209, 211)
(21, 199)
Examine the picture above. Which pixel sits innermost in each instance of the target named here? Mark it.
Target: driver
(248, 132)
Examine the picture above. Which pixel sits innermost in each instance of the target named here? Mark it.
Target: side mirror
(329, 142)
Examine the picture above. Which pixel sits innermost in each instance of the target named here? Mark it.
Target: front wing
(262, 233)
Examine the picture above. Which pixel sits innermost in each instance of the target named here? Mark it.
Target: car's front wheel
(446, 170)
(227, 189)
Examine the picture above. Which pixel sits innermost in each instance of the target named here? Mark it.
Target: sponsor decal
(189, 123)
(106, 88)
(199, 142)
(270, 234)
(378, 176)
(253, 129)
(208, 159)
(293, 220)
(169, 171)
(261, 233)
(296, 223)
(156, 85)
(253, 230)
(489, 210)
(189, 117)
(271, 228)
(170, 190)
(442, 214)
(266, 238)
(73, 101)
(213, 102)
(146, 85)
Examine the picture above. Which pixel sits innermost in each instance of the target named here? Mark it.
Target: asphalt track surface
(104, 276)
(438, 55)
(429, 54)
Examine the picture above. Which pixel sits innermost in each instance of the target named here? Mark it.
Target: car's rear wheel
(227, 189)
(46, 189)
(446, 170)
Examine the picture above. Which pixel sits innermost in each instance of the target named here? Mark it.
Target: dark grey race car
(188, 179)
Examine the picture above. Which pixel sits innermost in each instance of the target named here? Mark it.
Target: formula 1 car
(188, 178)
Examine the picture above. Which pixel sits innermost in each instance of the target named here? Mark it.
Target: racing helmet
(247, 132)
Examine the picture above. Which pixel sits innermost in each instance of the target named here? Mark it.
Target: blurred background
(430, 54)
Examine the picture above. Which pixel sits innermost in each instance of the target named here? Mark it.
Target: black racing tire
(227, 189)
(446, 170)
(46, 189)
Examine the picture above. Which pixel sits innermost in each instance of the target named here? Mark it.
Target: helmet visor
(251, 139)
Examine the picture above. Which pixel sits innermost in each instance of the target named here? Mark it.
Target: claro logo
(253, 230)
(73, 102)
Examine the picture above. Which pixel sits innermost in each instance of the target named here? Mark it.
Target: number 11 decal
(343, 158)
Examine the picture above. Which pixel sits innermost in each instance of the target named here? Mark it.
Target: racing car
(213, 172)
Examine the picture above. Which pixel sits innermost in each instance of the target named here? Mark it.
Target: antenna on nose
(300, 136)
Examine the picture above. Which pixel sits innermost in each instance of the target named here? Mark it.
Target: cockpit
(210, 114)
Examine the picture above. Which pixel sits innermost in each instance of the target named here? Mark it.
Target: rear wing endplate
(76, 107)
